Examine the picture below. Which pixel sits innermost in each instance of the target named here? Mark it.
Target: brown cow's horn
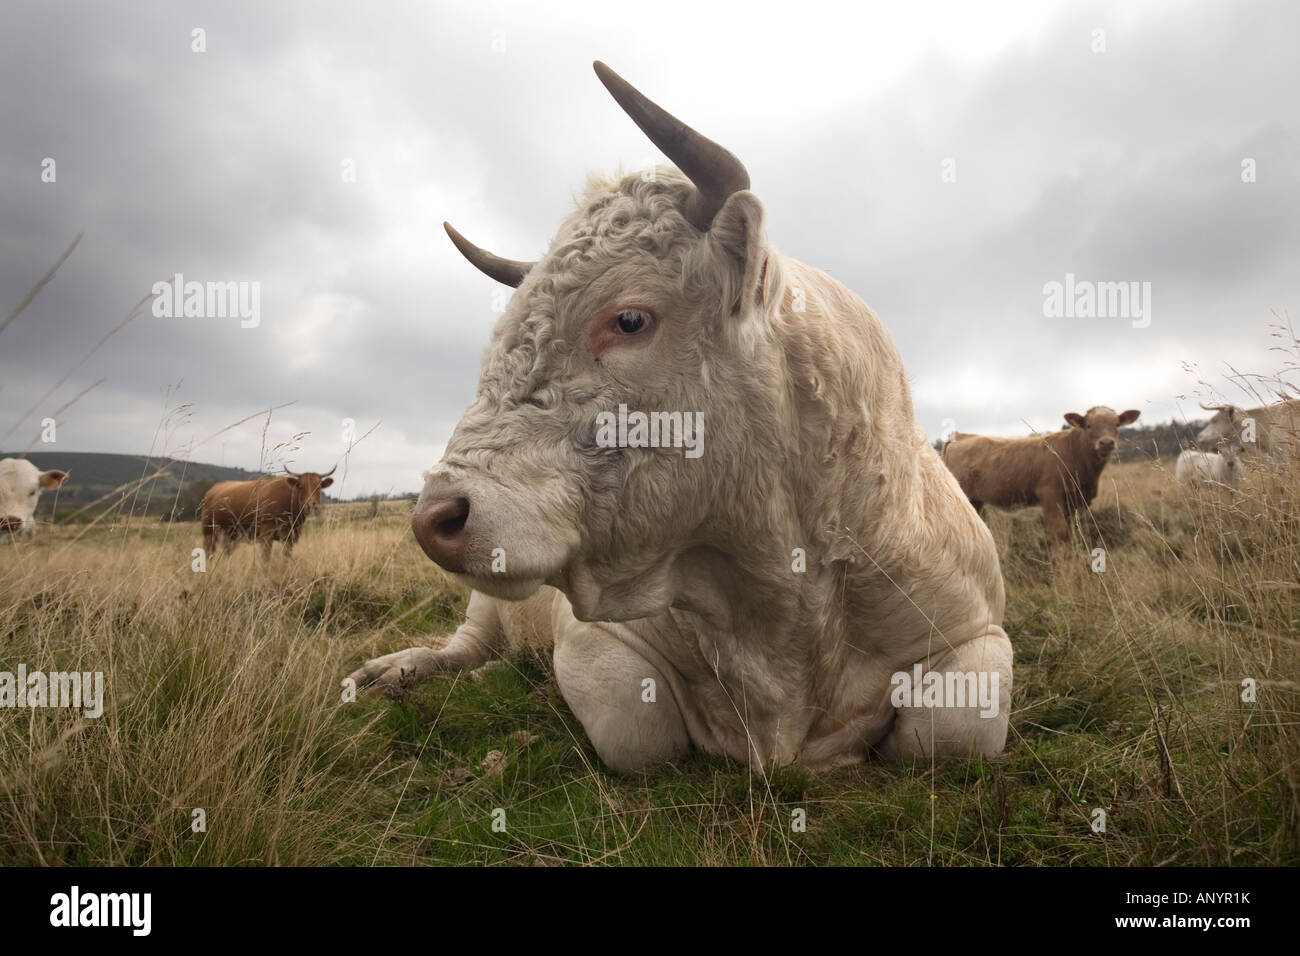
(330, 472)
(511, 272)
(288, 472)
(715, 172)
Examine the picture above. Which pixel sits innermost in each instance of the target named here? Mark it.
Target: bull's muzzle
(439, 527)
(11, 523)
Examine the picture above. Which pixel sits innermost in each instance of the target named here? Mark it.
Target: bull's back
(239, 502)
(217, 499)
(1283, 424)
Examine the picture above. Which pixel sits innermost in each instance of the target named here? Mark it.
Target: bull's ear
(1077, 420)
(1129, 417)
(737, 241)
(326, 482)
(292, 479)
(51, 479)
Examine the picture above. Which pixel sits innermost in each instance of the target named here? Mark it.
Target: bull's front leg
(479, 639)
(632, 723)
(947, 730)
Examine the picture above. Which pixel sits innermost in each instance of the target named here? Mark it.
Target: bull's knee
(965, 715)
(622, 701)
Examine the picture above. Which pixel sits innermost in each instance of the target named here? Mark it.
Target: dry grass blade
(27, 300)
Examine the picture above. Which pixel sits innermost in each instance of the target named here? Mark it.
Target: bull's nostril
(440, 530)
(454, 523)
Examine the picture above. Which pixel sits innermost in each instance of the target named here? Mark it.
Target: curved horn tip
(331, 471)
(509, 272)
(714, 170)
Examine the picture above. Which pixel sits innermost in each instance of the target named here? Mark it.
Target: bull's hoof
(394, 673)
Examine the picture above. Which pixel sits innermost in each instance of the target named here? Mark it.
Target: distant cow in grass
(264, 510)
(1197, 468)
(1059, 471)
(1270, 431)
(21, 484)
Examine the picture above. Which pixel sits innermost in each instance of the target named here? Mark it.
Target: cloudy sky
(945, 161)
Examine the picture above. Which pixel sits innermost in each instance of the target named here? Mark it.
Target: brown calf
(265, 510)
(1058, 470)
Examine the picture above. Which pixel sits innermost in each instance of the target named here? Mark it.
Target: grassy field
(223, 693)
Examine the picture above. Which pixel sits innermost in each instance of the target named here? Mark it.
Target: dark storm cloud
(1122, 165)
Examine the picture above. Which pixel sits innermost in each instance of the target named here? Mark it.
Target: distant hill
(93, 475)
(1159, 440)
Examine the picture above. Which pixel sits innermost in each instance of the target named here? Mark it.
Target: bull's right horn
(1211, 408)
(714, 170)
(511, 272)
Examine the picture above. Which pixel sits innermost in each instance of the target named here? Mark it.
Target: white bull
(812, 587)
(21, 484)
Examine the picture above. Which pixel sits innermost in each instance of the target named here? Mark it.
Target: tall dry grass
(223, 693)
(1158, 655)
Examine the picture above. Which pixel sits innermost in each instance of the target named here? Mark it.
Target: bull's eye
(631, 321)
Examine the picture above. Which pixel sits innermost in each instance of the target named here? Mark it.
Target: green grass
(224, 694)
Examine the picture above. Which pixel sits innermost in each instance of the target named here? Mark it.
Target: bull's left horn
(511, 272)
(715, 172)
(331, 471)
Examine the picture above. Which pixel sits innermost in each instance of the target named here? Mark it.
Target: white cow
(802, 582)
(21, 484)
(1197, 468)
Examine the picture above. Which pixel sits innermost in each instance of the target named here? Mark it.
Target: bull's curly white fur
(651, 566)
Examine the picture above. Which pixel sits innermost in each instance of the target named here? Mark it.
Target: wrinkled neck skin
(838, 420)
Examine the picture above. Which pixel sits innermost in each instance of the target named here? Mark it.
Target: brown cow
(1059, 470)
(265, 510)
